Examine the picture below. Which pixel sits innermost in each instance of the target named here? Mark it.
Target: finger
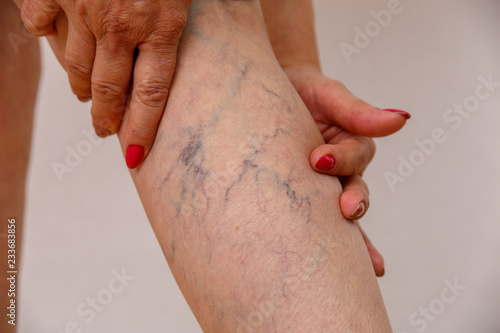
(348, 157)
(39, 15)
(354, 201)
(153, 72)
(58, 41)
(110, 81)
(375, 255)
(79, 58)
(339, 106)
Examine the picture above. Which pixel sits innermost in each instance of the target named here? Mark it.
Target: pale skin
(148, 185)
(239, 220)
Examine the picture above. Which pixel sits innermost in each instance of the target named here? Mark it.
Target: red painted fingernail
(326, 162)
(134, 156)
(401, 112)
(359, 211)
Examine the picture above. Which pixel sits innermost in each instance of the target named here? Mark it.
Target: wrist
(290, 25)
(300, 72)
(215, 18)
(302, 66)
(298, 61)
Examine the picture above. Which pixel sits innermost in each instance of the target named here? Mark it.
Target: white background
(442, 223)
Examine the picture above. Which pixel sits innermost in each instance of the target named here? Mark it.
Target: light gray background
(441, 224)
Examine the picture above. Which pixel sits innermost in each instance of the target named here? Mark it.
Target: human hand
(346, 123)
(103, 38)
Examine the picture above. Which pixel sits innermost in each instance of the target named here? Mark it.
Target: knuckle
(80, 8)
(152, 93)
(116, 24)
(75, 67)
(106, 90)
(367, 192)
(370, 149)
(38, 16)
(338, 85)
(358, 166)
(170, 30)
(30, 24)
(373, 148)
(363, 155)
(178, 21)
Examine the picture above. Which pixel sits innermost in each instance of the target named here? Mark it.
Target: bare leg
(19, 74)
(254, 237)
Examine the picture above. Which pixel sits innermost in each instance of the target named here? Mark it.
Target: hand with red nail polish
(119, 54)
(347, 123)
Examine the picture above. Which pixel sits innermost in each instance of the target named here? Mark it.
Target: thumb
(337, 105)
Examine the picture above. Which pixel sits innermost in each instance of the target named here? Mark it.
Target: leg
(19, 74)
(254, 237)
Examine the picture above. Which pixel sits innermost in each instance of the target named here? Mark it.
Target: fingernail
(401, 112)
(326, 162)
(134, 156)
(359, 211)
(102, 132)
